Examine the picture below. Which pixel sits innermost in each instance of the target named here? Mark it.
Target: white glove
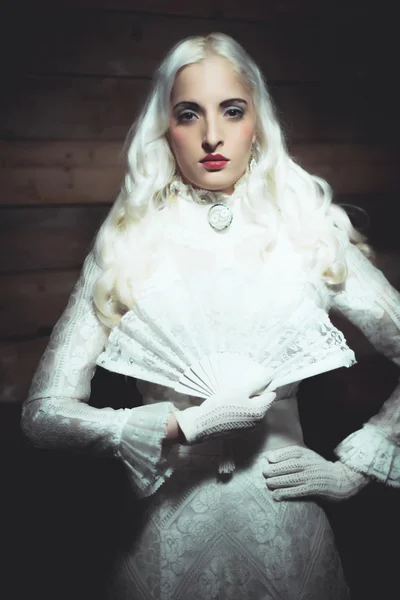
(227, 411)
(295, 471)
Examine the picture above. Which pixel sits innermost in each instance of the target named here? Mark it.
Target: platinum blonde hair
(278, 190)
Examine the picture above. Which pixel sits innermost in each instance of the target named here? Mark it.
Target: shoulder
(91, 268)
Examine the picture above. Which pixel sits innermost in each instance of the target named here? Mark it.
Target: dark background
(73, 77)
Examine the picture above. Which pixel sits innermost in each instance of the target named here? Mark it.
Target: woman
(217, 229)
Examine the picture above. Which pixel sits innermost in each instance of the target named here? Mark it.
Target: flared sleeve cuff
(369, 451)
(142, 447)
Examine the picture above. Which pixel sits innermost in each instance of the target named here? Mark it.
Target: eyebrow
(224, 103)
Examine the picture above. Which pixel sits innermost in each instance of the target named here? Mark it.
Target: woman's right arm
(56, 413)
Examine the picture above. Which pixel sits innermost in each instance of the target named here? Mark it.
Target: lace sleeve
(56, 413)
(370, 302)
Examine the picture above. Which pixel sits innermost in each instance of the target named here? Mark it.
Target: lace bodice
(56, 413)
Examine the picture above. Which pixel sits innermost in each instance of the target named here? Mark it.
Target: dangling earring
(252, 161)
(174, 182)
(173, 186)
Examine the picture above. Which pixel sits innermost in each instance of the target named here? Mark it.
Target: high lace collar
(201, 196)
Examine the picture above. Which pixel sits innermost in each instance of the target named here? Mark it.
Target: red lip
(214, 157)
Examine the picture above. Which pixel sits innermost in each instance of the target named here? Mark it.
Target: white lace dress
(196, 533)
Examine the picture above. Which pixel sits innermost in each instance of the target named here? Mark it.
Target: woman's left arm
(369, 301)
(373, 305)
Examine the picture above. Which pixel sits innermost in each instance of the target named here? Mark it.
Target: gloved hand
(236, 407)
(295, 472)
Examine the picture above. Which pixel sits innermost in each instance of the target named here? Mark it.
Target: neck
(203, 196)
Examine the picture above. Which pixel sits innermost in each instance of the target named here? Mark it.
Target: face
(212, 112)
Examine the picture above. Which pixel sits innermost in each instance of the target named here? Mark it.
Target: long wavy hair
(278, 189)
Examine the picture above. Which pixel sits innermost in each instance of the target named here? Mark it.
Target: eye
(186, 116)
(234, 112)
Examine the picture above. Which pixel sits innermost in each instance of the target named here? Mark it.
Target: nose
(212, 135)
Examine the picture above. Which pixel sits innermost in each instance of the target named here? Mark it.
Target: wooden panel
(15, 154)
(379, 221)
(18, 362)
(70, 108)
(131, 45)
(227, 8)
(60, 237)
(87, 172)
(59, 186)
(352, 168)
(267, 9)
(32, 302)
(103, 109)
(60, 173)
(47, 238)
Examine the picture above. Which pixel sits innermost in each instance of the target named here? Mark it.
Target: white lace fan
(198, 335)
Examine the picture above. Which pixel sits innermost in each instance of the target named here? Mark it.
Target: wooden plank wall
(73, 77)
